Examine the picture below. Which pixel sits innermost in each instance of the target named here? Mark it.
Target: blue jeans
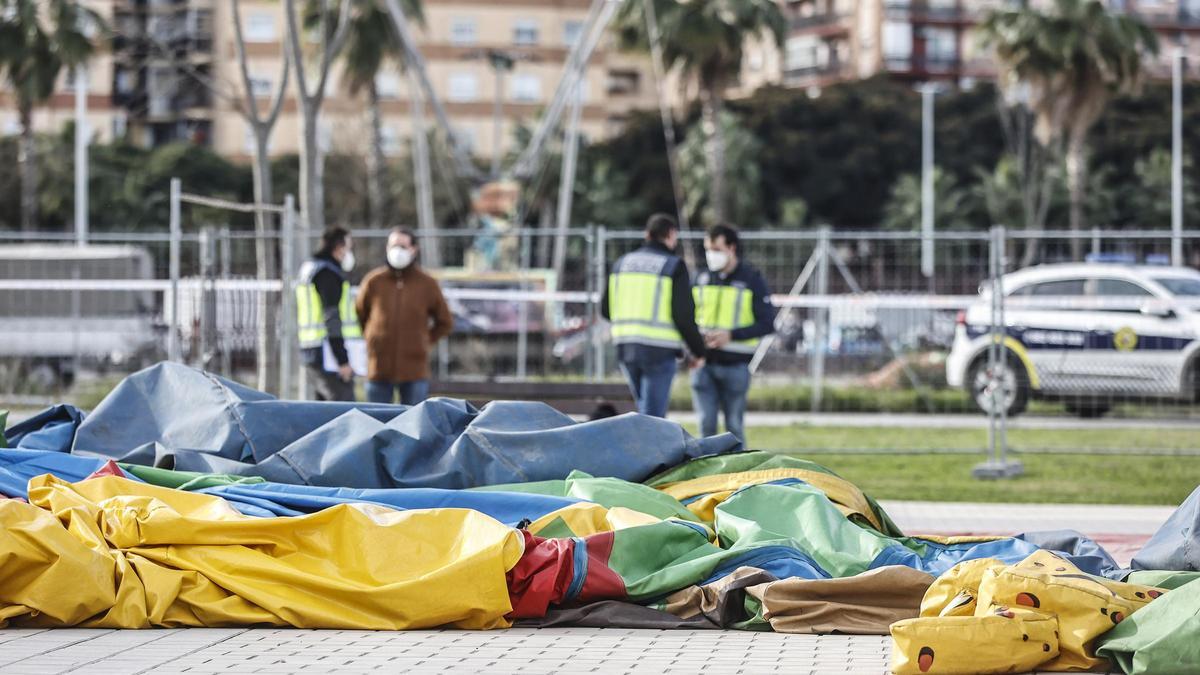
(721, 386)
(411, 393)
(650, 382)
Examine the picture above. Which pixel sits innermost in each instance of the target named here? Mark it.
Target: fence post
(208, 299)
(525, 255)
(598, 271)
(173, 348)
(821, 325)
(590, 311)
(997, 464)
(287, 250)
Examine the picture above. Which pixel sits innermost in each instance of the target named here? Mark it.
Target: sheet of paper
(355, 349)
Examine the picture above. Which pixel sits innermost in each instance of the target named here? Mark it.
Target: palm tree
(38, 38)
(1072, 59)
(705, 40)
(371, 43)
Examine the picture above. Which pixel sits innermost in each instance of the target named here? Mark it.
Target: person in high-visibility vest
(325, 316)
(648, 300)
(734, 312)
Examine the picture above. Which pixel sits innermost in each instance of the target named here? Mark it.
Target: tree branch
(293, 40)
(330, 50)
(239, 44)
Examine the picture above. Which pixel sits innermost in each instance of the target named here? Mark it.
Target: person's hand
(717, 339)
(694, 363)
(345, 372)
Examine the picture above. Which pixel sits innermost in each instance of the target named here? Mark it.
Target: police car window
(1181, 285)
(1118, 287)
(1063, 287)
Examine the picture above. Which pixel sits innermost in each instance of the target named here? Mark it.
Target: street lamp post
(501, 62)
(928, 90)
(1177, 63)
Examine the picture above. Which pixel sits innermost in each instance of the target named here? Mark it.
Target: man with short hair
(403, 314)
(648, 299)
(325, 315)
(734, 311)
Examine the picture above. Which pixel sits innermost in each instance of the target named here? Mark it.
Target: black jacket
(329, 289)
(683, 315)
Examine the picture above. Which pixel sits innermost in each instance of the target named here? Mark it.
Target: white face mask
(717, 260)
(348, 261)
(399, 257)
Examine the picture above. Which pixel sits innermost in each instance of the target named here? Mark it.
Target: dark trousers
(330, 386)
(650, 382)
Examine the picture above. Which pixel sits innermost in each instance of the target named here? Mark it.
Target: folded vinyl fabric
(138, 556)
(1163, 638)
(985, 616)
(172, 416)
(1176, 545)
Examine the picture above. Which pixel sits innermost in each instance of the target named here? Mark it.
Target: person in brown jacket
(403, 314)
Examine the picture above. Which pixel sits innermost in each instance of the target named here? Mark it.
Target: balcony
(923, 65)
(821, 71)
(805, 23)
(927, 12)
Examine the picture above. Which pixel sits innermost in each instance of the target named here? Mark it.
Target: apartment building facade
(933, 40)
(171, 74)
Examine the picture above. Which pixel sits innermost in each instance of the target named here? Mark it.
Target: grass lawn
(872, 458)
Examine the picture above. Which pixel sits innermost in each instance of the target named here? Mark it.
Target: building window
(259, 28)
(941, 45)
(623, 82)
(526, 88)
(392, 145)
(125, 81)
(466, 136)
(463, 87)
(261, 87)
(463, 31)
(897, 40)
(572, 31)
(387, 85)
(525, 32)
(805, 52)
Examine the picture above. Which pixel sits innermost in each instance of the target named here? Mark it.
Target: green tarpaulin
(1160, 638)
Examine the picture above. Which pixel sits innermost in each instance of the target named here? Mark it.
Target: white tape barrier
(840, 301)
(864, 300)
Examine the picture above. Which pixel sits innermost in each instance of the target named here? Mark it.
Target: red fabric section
(601, 583)
(541, 577)
(110, 468)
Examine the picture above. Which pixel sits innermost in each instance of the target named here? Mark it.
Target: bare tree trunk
(265, 250)
(27, 158)
(1076, 184)
(711, 114)
(376, 163)
(312, 161)
(312, 195)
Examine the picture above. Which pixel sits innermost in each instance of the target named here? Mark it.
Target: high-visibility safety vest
(309, 311)
(725, 307)
(639, 300)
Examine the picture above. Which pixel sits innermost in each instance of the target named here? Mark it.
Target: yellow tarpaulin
(115, 553)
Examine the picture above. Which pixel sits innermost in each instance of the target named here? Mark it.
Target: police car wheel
(1008, 387)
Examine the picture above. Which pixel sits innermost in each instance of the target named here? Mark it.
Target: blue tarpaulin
(177, 417)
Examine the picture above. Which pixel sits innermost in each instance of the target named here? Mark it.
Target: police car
(1087, 334)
